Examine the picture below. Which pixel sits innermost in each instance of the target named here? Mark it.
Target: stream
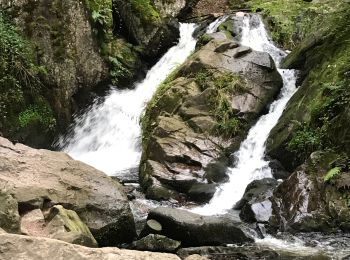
(98, 138)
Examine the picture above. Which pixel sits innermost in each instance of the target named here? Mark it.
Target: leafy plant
(306, 140)
(332, 174)
(37, 114)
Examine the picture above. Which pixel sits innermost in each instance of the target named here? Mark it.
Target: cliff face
(68, 49)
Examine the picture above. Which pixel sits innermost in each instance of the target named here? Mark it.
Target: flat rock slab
(42, 178)
(34, 248)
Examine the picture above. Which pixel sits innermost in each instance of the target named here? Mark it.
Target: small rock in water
(154, 242)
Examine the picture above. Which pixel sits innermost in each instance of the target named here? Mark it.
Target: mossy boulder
(201, 111)
(67, 226)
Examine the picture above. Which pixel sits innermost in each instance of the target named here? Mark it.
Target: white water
(108, 136)
(250, 156)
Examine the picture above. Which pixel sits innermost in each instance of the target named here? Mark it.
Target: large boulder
(202, 111)
(35, 248)
(311, 199)
(42, 179)
(196, 230)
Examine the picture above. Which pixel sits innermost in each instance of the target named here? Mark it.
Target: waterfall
(251, 164)
(108, 135)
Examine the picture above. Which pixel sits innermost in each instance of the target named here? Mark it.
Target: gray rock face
(35, 248)
(154, 242)
(196, 230)
(41, 179)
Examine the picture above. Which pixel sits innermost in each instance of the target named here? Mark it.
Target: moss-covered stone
(66, 225)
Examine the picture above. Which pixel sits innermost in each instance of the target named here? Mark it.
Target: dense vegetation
(22, 104)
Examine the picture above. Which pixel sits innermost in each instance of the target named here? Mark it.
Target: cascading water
(251, 164)
(108, 136)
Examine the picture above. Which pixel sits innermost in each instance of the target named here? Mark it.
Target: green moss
(332, 174)
(291, 21)
(146, 10)
(152, 111)
(317, 115)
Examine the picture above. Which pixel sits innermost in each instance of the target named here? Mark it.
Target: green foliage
(332, 174)
(20, 84)
(228, 125)
(290, 21)
(227, 84)
(117, 70)
(203, 78)
(101, 13)
(306, 140)
(230, 83)
(37, 115)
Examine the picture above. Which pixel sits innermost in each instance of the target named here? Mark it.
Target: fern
(331, 174)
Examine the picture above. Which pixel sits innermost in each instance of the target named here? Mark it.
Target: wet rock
(240, 252)
(256, 205)
(158, 243)
(241, 51)
(35, 248)
(226, 46)
(257, 190)
(278, 170)
(196, 230)
(217, 171)
(305, 202)
(247, 252)
(202, 192)
(42, 179)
